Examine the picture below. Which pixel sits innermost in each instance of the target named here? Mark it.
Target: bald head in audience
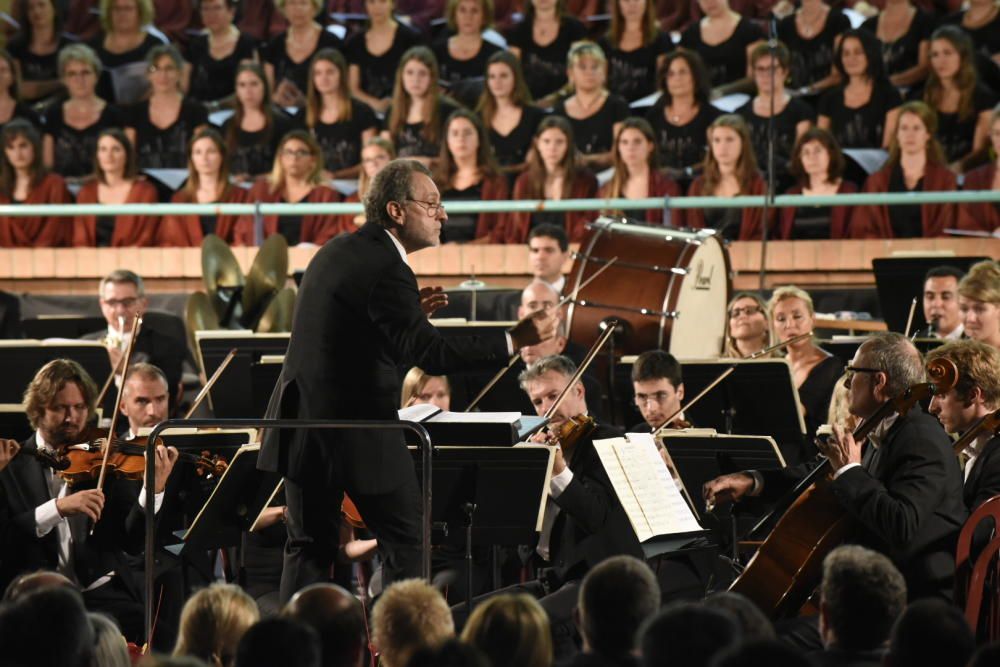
(338, 619)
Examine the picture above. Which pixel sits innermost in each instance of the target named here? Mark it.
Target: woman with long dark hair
(216, 53)
(541, 41)
(36, 48)
(723, 39)
(287, 56)
(462, 52)
(507, 111)
(811, 34)
(635, 171)
(11, 106)
(419, 109)
(818, 169)
(256, 127)
(904, 31)
(634, 46)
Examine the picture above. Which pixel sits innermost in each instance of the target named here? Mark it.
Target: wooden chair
(977, 576)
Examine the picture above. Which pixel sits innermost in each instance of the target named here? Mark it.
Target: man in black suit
(976, 395)
(45, 524)
(359, 317)
(904, 490)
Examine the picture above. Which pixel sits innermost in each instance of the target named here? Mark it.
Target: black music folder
(21, 359)
(471, 428)
(899, 279)
(234, 393)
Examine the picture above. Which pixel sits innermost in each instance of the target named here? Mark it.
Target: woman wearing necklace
(681, 116)
(723, 39)
(635, 48)
(287, 56)
(507, 112)
(36, 48)
(542, 41)
(462, 53)
(375, 53)
(818, 168)
(811, 34)
(216, 53)
(904, 31)
(594, 114)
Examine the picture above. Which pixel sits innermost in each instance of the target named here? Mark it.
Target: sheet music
(647, 492)
(418, 412)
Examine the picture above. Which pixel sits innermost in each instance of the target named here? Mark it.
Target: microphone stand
(772, 45)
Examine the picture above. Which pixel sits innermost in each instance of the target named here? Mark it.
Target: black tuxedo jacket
(906, 501)
(23, 488)
(984, 478)
(357, 318)
(591, 525)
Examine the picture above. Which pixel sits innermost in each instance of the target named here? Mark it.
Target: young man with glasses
(658, 388)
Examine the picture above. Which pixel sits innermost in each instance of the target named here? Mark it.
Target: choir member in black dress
(36, 48)
(376, 52)
(419, 109)
(340, 123)
(984, 216)
(162, 126)
(962, 103)
(905, 33)
(122, 48)
(467, 172)
(635, 47)
(11, 106)
(636, 173)
(594, 113)
(814, 371)
(542, 41)
(682, 114)
(288, 54)
(72, 126)
(811, 34)
(723, 39)
(255, 129)
(462, 52)
(861, 111)
(215, 54)
(792, 116)
(980, 19)
(818, 169)
(507, 111)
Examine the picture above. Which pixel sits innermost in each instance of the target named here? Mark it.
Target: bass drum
(668, 289)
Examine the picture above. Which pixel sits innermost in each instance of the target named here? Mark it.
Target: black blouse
(955, 134)
(341, 141)
(903, 54)
(24, 112)
(632, 74)
(35, 67)
(812, 222)
(817, 391)
(452, 70)
(213, 79)
(785, 123)
(812, 58)
(595, 134)
(906, 219)
(681, 146)
(123, 79)
(726, 61)
(164, 148)
(461, 227)
(864, 126)
(286, 68)
(985, 38)
(545, 66)
(512, 149)
(75, 149)
(378, 73)
(410, 141)
(254, 152)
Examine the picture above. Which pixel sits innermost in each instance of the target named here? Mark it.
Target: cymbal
(268, 273)
(277, 317)
(219, 267)
(199, 315)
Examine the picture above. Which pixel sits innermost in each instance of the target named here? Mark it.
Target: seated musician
(548, 250)
(941, 312)
(976, 395)
(123, 296)
(420, 388)
(903, 488)
(44, 521)
(659, 390)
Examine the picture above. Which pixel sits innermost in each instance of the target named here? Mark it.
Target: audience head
(862, 595)
(451, 653)
(38, 15)
(979, 302)
(504, 80)
(930, 632)
(792, 315)
(22, 152)
(687, 635)
(299, 12)
(616, 597)
(530, 9)
(859, 55)
(645, 8)
(916, 127)
(164, 67)
(212, 623)
(420, 388)
(328, 75)
(79, 69)
(465, 139)
(110, 647)
(657, 385)
(469, 17)
(545, 379)
(417, 82)
(217, 15)
(729, 151)
(375, 154)
(398, 201)
(548, 250)
(683, 73)
(208, 157)
(337, 617)
(26, 628)
(145, 396)
(410, 615)
(890, 363)
(299, 157)
(754, 625)
(511, 630)
(114, 156)
(635, 148)
(252, 92)
(279, 641)
(941, 298)
(60, 401)
(552, 149)
(952, 59)
(123, 296)
(8, 75)
(769, 64)
(586, 66)
(23, 584)
(125, 16)
(816, 155)
(749, 325)
(770, 652)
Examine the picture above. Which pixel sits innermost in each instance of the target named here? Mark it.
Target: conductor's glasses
(433, 209)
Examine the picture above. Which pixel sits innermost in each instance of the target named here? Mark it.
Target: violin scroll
(943, 373)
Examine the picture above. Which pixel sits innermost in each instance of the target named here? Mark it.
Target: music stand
(62, 326)
(230, 395)
(759, 398)
(21, 359)
(14, 422)
(899, 279)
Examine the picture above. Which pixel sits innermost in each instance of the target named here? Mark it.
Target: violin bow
(514, 357)
(612, 325)
(127, 359)
(778, 346)
(722, 376)
(909, 319)
(211, 381)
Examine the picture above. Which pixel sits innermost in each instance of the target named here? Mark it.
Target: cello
(782, 575)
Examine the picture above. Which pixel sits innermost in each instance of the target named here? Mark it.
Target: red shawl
(660, 185)
(839, 215)
(872, 222)
(316, 229)
(516, 226)
(130, 230)
(185, 230)
(982, 216)
(750, 225)
(39, 231)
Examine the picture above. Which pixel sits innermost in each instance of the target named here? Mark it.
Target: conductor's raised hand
(432, 299)
(533, 328)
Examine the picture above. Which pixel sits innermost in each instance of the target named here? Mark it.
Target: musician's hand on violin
(88, 501)
(8, 450)
(432, 299)
(726, 488)
(165, 458)
(840, 448)
(533, 328)
(560, 462)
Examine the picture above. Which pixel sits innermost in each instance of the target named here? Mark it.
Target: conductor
(360, 316)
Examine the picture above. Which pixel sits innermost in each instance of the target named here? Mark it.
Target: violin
(572, 431)
(349, 511)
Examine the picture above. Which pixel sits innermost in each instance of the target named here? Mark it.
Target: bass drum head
(699, 329)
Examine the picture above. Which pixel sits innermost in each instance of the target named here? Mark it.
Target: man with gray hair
(359, 316)
(902, 487)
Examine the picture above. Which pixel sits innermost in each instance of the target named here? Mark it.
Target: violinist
(47, 524)
(903, 486)
(658, 389)
(145, 397)
(976, 395)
